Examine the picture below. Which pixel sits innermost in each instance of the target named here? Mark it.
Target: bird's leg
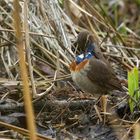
(104, 106)
(102, 99)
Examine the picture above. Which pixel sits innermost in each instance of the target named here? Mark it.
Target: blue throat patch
(82, 57)
(91, 48)
(88, 53)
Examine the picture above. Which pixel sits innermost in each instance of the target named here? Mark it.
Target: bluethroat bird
(91, 71)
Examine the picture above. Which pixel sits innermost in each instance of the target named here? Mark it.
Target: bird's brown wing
(99, 55)
(101, 74)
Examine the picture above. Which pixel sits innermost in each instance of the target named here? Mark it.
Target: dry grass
(49, 34)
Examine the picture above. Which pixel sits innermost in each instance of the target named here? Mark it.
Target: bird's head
(85, 42)
(86, 46)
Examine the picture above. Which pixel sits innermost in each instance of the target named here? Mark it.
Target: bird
(90, 71)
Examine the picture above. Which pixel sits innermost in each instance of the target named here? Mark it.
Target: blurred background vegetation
(53, 28)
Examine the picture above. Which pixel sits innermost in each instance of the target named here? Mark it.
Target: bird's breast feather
(77, 67)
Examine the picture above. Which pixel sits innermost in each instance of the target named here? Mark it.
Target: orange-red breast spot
(75, 67)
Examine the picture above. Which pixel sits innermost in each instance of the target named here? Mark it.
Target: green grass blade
(133, 85)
